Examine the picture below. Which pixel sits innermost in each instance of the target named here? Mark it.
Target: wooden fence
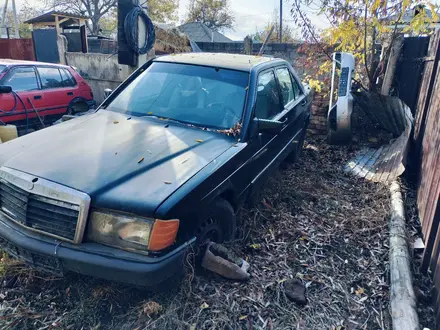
(17, 49)
(427, 152)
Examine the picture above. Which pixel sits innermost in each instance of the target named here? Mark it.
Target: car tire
(217, 223)
(77, 107)
(296, 154)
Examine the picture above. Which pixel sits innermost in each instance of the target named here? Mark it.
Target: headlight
(131, 232)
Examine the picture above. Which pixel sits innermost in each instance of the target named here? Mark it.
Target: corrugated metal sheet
(387, 162)
(17, 49)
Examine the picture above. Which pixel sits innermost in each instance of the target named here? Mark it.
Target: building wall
(318, 122)
(101, 71)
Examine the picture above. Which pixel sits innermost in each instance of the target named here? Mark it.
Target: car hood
(123, 163)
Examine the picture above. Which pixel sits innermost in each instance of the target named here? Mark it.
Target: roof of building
(50, 17)
(219, 60)
(199, 32)
(409, 14)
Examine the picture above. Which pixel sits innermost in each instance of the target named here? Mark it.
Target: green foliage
(163, 11)
(214, 13)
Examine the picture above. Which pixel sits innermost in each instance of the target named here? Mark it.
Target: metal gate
(45, 44)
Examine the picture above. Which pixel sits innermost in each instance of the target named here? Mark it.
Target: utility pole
(14, 12)
(2, 25)
(281, 21)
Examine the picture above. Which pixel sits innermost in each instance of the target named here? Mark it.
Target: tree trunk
(396, 46)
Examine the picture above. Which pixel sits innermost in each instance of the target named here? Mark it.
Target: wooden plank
(432, 244)
(426, 90)
(430, 159)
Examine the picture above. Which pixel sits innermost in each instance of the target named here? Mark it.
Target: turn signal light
(163, 234)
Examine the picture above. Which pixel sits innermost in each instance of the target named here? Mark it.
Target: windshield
(202, 96)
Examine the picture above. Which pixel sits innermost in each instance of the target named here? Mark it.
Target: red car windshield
(202, 96)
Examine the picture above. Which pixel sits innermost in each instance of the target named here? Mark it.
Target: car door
(55, 97)
(24, 82)
(294, 111)
(264, 147)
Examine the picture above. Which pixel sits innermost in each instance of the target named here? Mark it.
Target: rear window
(2, 68)
(68, 80)
(50, 78)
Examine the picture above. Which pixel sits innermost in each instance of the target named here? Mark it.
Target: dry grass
(313, 223)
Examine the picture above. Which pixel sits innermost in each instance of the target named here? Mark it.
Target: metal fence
(17, 49)
(427, 152)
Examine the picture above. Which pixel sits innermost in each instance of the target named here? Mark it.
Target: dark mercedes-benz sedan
(163, 165)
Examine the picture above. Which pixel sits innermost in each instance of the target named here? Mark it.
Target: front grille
(41, 213)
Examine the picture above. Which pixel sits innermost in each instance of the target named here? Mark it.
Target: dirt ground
(313, 223)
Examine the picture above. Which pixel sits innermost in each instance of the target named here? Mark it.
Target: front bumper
(91, 259)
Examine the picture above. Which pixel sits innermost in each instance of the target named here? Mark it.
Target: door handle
(37, 97)
(69, 93)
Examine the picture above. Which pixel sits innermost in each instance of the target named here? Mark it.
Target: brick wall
(318, 122)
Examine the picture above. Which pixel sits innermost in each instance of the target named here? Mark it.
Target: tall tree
(215, 14)
(290, 34)
(159, 10)
(357, 27)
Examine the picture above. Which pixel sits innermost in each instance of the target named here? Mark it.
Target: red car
(51, 89)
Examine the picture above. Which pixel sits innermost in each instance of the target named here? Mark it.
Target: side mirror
(269, 126)
(107, 92)
(5, 89)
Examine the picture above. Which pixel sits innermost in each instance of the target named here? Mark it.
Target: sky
(250, 15)
(253, 15)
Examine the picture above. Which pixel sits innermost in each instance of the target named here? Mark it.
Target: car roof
(219, 60)
(11, 62)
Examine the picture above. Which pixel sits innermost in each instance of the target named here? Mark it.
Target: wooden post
(83, 31)
(266, 40)
(403, 300)
(396, 47)
(57, 25)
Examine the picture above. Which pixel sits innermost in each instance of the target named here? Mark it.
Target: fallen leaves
(141, 160)
(297, 232)
(151, 308)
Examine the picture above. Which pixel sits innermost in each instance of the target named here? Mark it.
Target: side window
(296, 89)
(67, 78)
(50, 78)
(286, 86)
(21, 79)
(268, 103)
